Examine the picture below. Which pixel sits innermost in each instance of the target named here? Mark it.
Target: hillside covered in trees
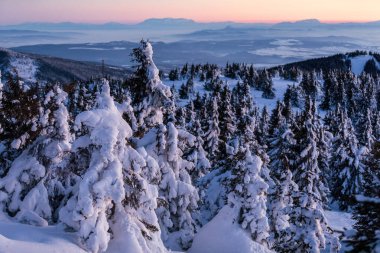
(162, 161)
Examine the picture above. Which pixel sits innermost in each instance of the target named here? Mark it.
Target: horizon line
(134, 22)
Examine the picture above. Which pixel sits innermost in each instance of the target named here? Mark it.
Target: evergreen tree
(173, 75)
(328, 85)
(115, 191)
(35, 183)
(364, 129)
(306, 217)
(226, 121)
(345, 164)
(366, 213)
(282, 159)
(19, 116)
(293, 96)
(309, 84)
(262, 131)
(178, 197)
(149, 94)
(198, 155)
(376, 126)
(183, 92)
(212, 134)
(324, 148)
(248, 193)
(266, 85)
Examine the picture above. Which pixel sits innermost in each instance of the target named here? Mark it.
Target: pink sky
(130, 11)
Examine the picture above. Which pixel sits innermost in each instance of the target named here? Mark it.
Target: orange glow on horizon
(245, 11)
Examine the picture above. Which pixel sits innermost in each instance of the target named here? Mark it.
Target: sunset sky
(132, 11)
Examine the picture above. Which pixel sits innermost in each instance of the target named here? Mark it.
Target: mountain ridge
(170, 22)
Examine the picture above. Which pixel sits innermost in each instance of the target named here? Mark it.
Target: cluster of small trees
(123, 162)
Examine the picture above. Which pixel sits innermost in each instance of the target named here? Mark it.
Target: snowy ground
(221, 235)
(224, 235)
(26, 67)
(358, 63)
(280, 85)
(342, 225)
(21, 238)
(339, 221)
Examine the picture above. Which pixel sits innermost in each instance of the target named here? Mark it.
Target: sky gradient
(133, 11)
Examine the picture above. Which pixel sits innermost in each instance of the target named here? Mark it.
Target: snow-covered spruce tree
(366, 212)
(226, 121)
(180, 117)
(282, 158)
(294, 95)
(276, 119)
(197, 154)
(212, 134)
(191, 117)
(306, 232)
(242, 102)
(248, 192)
(324, 148)
(113, 197)
(18, 119)
(185, 199)
(81, 96)
(252, 76)
(35, 182)
(262, 129)
(149, 94)
(178, 198)
(329, 81)
(128, 114)
(266, 85)
(376, 125)
(226, 115)
(346, 164)
(364, 129)
(309, 84)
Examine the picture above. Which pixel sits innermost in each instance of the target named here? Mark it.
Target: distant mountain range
(177, 23)
(212, 47)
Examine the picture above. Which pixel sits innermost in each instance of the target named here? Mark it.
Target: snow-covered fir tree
(248, 193)
(307, 222)
(167, 144)
(212, 134)
(366, 213)
(197, 154)
(18, 118)
(266, 85)
(345, 163)
(35, 182)
(282, 162)
(104, 195)
(149, 94)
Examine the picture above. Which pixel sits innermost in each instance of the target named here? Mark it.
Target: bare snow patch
(339, 221)
(17, 238)
(358, 63)
(223, 234)
(26, 67)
